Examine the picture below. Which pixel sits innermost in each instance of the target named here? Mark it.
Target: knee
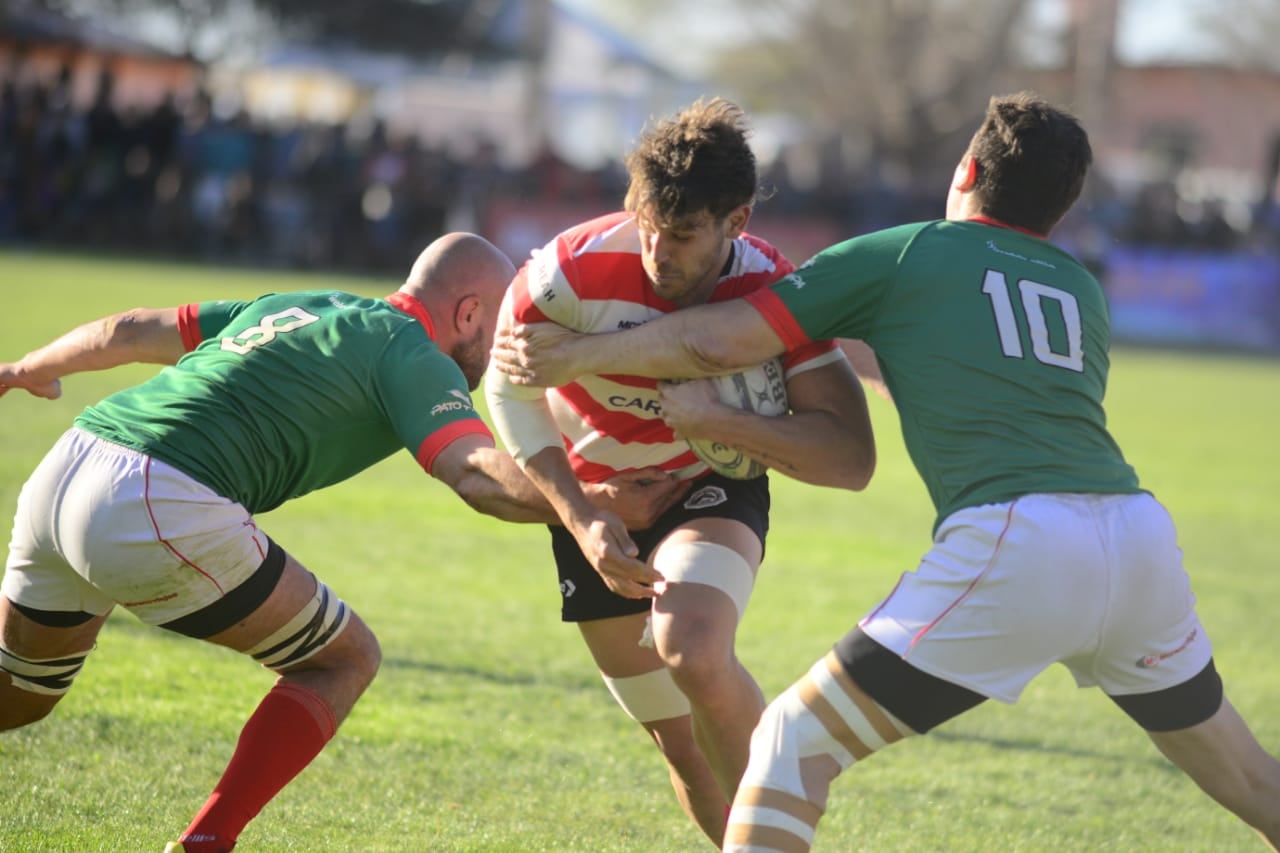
(352, 657)
(326, 636)
(362, 654)
(696, 654)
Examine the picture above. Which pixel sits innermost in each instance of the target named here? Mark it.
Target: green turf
(488, 729)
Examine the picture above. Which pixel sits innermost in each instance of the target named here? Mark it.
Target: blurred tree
(897, 83)
(910, 76)
(1243, 32)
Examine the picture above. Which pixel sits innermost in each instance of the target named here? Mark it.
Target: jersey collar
(987, 220)
(414, 309)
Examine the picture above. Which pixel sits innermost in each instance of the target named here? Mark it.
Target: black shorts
(583, 594)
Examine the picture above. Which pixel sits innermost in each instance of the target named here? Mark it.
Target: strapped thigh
(919, 699)
(48, 677)
(648, 697)
(317, 625)
(819, 726)
(708, 563)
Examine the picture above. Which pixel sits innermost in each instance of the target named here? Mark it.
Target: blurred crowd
(181, 180)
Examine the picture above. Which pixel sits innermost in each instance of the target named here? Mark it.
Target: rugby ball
(761, 389)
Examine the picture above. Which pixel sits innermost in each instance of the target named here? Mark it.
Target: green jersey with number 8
(993, 342)
(293, 392)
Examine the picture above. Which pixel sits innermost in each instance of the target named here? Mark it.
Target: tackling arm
(704, 340)
(140, 335)
(491, 482)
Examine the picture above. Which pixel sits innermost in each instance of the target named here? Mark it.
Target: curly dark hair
(698, 160)
(1032, 159)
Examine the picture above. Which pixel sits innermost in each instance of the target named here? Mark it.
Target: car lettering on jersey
(266, 331)
(794, 280)
(629, 324)
(460, 404)
(645, 404)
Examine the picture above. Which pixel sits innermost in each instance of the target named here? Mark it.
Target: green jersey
(993, 342)
(293, 392)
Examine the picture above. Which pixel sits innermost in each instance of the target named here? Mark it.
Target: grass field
(488, 729)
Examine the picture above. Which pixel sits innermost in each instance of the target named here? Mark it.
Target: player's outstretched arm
(141, 335)
(705, 340)
(491, 482)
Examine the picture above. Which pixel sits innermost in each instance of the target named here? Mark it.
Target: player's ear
(467, 314)
(736, 221)
(966, 174)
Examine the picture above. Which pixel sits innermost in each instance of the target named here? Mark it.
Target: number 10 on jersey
(1034, 297)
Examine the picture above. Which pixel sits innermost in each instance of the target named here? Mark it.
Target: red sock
(289, 728)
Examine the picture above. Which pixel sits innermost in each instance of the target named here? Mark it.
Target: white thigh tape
(648, 697)
(50, 677)
(711, 564)
(315, 626)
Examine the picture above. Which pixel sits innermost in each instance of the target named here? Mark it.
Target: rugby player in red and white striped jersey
(659, 608)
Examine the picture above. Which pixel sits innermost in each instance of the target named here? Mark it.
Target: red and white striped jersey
(590, 279)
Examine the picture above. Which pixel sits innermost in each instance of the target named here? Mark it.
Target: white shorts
(1091, 581)
(98, 525)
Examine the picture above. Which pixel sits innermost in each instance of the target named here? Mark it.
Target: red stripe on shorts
(146, 497)
(1008, 521)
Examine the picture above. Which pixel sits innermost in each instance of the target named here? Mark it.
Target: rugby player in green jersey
(993, 343)
(148, 502)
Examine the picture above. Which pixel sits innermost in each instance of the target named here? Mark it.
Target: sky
(1148, 30)
(1160, 29)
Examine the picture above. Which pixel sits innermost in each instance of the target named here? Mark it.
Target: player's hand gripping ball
(761, 389)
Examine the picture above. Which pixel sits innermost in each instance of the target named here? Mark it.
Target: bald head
(460, 279)
(457, 265)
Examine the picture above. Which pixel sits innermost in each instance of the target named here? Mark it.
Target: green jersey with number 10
(994, 344)
(293, 392)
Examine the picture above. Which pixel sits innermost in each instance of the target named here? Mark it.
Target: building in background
(75, 54)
